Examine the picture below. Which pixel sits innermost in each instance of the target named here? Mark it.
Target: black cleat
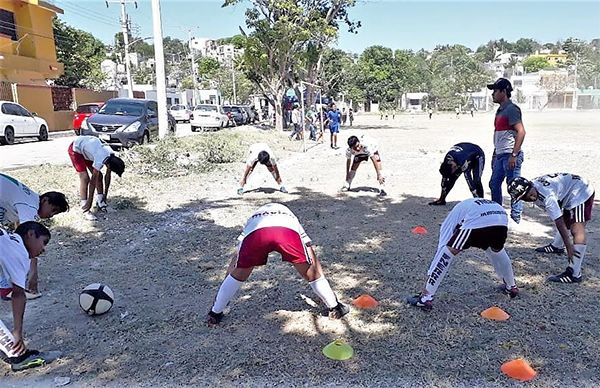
(550, 249)
(29, 359)
(338, 311)
(565, 277)
(417, 302)
(214, 318)
(513, 292)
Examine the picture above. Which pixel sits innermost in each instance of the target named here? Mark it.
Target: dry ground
(163, 249)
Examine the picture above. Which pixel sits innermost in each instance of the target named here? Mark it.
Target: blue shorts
(334, 128)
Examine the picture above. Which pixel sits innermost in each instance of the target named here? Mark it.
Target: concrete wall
(85, 96)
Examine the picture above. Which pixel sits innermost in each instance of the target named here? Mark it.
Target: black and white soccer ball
(96, 299)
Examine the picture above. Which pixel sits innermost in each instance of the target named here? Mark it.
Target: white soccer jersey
(274, 214)
(472, 213)
(561, 191)
(14, 258)
(369, 147)
(18, 203)
(256, 149)
(92, 149)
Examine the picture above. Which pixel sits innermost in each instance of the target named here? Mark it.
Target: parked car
(16, 121)
(208, 116)
(251, 112)
(124, 122)
(180, 113)
(238, 115)
(84, 111)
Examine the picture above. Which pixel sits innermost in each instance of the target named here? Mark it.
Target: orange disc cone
(495, 313)
(365, 301)
(338, 350)
(419, 230)
(518, 369)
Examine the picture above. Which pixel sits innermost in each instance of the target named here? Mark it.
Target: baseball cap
(518, 188)
(501, 84)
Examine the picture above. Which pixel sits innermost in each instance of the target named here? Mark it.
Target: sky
(399, 24)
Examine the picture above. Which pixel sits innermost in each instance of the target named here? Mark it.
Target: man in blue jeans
(509, 134)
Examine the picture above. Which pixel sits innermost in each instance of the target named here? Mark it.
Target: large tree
(282, 37)
(81, 54)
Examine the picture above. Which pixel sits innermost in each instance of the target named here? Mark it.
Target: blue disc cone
(338, 350)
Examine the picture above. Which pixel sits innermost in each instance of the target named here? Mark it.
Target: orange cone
(495, 313)
(518, 369)
(365, 301)
(419, 230)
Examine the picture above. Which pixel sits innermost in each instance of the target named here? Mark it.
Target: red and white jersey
(274, 214)
(14, 258)
(561, 191)
(369, 147)
(256, 149)
(472, 213)
(18, 203)
(92, 149)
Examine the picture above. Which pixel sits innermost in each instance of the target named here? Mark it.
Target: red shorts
(79, 162)
(580, 213)
(255, 247)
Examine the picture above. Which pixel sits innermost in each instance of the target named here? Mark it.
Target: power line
(86, 12)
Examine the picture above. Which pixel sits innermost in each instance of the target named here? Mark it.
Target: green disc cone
(338, 350)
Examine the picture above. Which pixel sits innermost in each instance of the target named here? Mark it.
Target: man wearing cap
(568, 200)
(467, 158)
(509, 134)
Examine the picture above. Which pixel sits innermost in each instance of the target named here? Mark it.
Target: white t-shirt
(274, 214)
(14, 258)
(561, 191)
(18, 203)
(92, 149)
(369, 147)
(256, 149)
(472, 213)
(296, 116)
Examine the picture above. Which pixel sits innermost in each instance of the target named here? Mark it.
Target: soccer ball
(96, 299)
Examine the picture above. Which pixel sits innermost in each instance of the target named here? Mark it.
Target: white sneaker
(345, 188)
(89, 216)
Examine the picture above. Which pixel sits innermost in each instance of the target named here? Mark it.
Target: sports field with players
(164, 245)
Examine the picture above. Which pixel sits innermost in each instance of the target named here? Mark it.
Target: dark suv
(124, 122)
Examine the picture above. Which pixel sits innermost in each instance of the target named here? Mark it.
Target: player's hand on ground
(240, 191)
(437, 202)
(18, 346)
(32, 286)
(381, 179)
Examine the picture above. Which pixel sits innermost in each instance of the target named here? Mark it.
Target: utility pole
(125, 29)
(233, 82)
(194, 77)
(159, 59)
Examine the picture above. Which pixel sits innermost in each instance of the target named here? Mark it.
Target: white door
(30, 125)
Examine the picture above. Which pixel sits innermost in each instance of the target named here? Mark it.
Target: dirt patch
(163, 248)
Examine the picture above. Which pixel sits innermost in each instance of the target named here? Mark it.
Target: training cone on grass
(518, 369)
(419, 230)
(495, 313)
(338, 350)
(365, 301)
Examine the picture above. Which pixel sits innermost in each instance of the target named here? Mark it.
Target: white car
(208, 116)
(16, 121)
(180, 113)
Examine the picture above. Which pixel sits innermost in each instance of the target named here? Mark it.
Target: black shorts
(489, 237)
(364, 157)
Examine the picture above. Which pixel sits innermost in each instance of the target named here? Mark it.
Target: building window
(7, 24)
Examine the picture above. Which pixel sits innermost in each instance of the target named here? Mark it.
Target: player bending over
(568, 200)
(274, 228)
(360, 150)
(474, 222)
(261, 153)
(465, 158)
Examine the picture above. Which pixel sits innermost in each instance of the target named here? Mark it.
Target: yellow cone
(495, 313)
(338, 350)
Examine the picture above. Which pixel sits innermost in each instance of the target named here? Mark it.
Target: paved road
(54, 151)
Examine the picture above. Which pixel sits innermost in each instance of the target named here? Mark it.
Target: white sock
(558, 241)
(351, 175)
(227, 290)
(6, 341)
(82, 202)
(502, 266)
(323, 290)
(437, 270)
(578, 259)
